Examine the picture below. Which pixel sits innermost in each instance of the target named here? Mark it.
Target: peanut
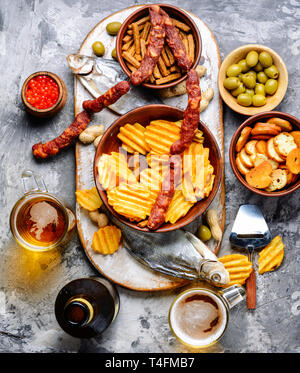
(89, 134)
(212, 220)
(100, 219)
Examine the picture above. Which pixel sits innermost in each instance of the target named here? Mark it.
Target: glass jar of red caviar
(44, 94)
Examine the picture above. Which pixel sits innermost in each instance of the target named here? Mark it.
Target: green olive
(113, 28)
(259, 100)
(260, 89)
(238, 90)
(252, 73)
(231, 83)
(114, 54)
(98, 48)
(261, 77)
(271, 86)
(243, 65)
(244, 99)
(272, 72)
(249, 80)
(265, 59)
(252, 58)
(258, 67)
(204, 233)
(233, 70)
(240, 76)
(249, 91)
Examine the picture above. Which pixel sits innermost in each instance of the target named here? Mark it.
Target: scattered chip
(106, 240)
(88, 199)
(271, 256)
(238, 267)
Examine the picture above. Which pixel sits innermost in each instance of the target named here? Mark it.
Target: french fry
(127, 38)
(185, 41)
(136, 38)
(143, 47)
(156, 73)
(89, 199)
(140, 22)
(106, 240)
(238, 267)
(182, 26)
(191, 46)
(162, 67)
(131, 201)
(128, 57)
(271, 256)
(145, 32)
(178, 207)
(127, 45)
(133, 136)
(165, 57)
(131, 67)
(170, 55)
(131, 50)
(168, 78)
(174, 69)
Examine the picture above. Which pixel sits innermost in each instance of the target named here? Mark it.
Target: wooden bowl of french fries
(151, 130)
(252, 148)
(131, 45)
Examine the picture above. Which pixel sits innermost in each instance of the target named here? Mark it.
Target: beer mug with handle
(198, 317)
(40, 221)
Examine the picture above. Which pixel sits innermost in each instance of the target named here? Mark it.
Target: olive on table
(271, 86)
(261, 77)
(249, 80)
(259, 100)
(272, 72)
(238, 90)
(243, 65)
(112, 28)
(204, 233)
(258, 67)
(260, 89)
(249, 91)
(114, 54)
(98, 48)
(233, 70)
(244, 99)
(265, 59)
(231, 83)
(252, 58)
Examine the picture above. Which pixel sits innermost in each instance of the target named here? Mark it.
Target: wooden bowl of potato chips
(131, 160)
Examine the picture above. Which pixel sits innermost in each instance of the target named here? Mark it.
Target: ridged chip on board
(107, 240)
(238, 267)
(89, 199)
(271, 256)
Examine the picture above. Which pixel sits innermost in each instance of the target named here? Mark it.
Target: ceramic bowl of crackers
(132, 41)
(265, 154)
(132, 159)
(253, 79)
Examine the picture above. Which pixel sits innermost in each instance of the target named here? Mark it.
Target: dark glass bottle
(85, 307)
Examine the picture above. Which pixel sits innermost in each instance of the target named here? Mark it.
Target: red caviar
(42, 92)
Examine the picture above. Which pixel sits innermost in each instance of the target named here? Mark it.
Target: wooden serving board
(121, 267)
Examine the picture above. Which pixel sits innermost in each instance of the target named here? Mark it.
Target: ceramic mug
(198, 317)
(39, 221)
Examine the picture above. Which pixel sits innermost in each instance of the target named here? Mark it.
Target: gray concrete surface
(37, 35)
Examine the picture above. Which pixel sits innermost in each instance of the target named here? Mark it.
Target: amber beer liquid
(39, 221)
(86, 307)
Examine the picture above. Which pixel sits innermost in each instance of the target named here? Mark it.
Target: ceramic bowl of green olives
(253, 79)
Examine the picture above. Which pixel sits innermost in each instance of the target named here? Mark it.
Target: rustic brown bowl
(232, 153)
(272, 101)
(60, 103)
(173, 12)
(143, 115)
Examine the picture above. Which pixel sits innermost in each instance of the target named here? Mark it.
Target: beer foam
(198, 322)
(42, 214)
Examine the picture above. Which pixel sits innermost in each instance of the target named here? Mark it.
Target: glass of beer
(39, 221)
(198, 317)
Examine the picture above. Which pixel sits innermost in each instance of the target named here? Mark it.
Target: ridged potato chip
(178, 207)
(151, 179)
(160, 135)
(271, 256)
(113, 169)
(89, 199)
(131, 201)
(238, 267)
(132, 136)
(106, 240)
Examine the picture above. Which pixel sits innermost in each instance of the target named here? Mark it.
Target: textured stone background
(37, 35)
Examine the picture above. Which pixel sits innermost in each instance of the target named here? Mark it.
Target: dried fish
(97, 75)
